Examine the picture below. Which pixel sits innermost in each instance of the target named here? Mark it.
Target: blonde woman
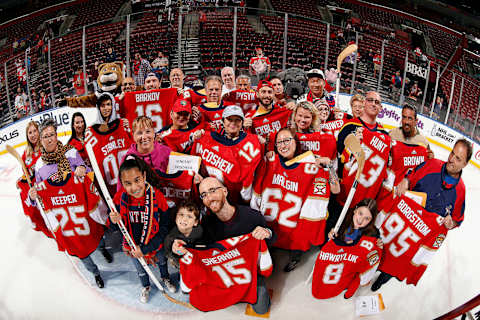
(306, 123)
(32, 151)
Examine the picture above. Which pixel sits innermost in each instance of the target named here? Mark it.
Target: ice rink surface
(38, 282)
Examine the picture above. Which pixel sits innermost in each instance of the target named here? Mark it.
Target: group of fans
(274, 173)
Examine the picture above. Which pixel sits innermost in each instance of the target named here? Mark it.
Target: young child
(357, 252)
(143, 209)
(187, 230)
(359, 221)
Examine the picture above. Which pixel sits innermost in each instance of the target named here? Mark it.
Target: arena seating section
(306, 42)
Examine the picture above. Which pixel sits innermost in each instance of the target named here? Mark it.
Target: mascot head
(110, 77)
(294, 81)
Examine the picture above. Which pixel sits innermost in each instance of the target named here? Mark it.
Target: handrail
(469, 305)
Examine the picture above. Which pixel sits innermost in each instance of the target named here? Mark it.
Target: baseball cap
(315, 73)
(182, 105)
(264, 83)
(151, 74)
(233, 111)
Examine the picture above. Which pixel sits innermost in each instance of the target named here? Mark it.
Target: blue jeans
(88, 261)
(162, 265)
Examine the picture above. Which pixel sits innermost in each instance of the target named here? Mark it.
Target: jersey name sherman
(223, 257)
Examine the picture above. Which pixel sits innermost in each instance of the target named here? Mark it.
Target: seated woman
(293, 196)
(351, 257)
(306, 123)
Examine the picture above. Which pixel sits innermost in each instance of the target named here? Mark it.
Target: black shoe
(99, 281)
(292, 264)
(377, 284)
(381, 280)
(108, 257)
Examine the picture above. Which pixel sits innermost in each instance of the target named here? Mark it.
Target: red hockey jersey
(247, 100)
(225, 273)
(376, 143)
(320, 143)
(334, 126)
(212, 115)
(405, 157)
(341, 266)
(109, 147)
(155, 104)
(75, 213)
(293, 200)
(411, 237)
(30, 161)
(177, 186)
(179, 140)
(270, 122)
(31, 211)
(233, 162)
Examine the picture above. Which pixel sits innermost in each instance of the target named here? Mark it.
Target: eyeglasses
(284, 142)
(48, 136)
(203, 195)
(371, 100)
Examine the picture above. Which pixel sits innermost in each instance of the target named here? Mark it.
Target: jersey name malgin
(287, 184)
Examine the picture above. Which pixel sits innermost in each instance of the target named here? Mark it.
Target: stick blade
(12, 151)
(355, 147)
(345, 53)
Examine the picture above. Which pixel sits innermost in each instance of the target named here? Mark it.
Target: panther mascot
(109, 80)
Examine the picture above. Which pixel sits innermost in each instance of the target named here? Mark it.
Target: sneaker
(145, 295)
(170, 286)
(99, 281)
(292, 264)
(108, 257)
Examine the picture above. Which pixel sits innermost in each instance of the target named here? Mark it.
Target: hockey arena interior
(239, 159)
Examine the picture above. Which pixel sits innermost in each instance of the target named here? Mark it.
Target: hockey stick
(121, 225)
(353, 144)
(15, 154)
(345, 53)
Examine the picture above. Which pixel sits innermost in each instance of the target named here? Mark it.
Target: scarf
(58, 157)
